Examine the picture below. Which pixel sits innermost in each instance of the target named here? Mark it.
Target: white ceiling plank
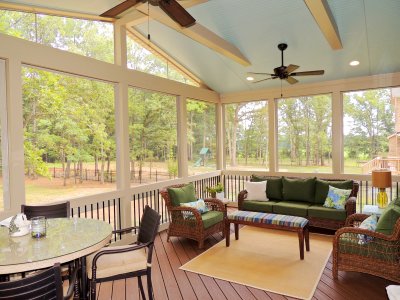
(201, 35)
(324, 18)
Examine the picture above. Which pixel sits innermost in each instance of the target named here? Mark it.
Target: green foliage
(215, 189)
(34, 164)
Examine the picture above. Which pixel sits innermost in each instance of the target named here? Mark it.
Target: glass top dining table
(65, 240)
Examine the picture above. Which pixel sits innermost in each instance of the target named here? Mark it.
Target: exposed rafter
(201, 35)
(324, 18)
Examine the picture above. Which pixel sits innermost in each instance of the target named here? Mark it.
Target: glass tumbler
(38, 227)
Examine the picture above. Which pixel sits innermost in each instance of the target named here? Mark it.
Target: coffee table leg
(301, 243)
(307, 238)
(83, 278)
(236, 231)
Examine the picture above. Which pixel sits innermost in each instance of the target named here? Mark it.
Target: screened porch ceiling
(367, 31)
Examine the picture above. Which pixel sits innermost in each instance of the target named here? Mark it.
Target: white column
(220, 117)
(272, 135)
(337, 132)
(120, 56)
(15, 137)
(182, 155)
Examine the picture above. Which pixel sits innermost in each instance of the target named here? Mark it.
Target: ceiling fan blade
(257, 73)
(306, 73)
(292, 80)
(177, 13)
(291, 68)
(262, 80)
(116, 10)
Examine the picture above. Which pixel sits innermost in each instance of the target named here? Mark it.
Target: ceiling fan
(286, 72)
(171, 7)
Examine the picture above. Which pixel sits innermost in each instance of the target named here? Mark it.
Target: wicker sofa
(303, 198)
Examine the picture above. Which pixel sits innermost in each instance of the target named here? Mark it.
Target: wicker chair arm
(354, 219)
(192, 210)
(356, 230)
(350, 206)
(215, 204)
(242, 195)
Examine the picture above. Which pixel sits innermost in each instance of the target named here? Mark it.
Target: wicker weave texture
(191, 228)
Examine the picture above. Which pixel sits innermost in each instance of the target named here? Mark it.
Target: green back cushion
(298, 189)
(388, 219)
(322, 188)
(182, 194)
(274, 186)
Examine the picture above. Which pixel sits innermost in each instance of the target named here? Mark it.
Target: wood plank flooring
(170, 283)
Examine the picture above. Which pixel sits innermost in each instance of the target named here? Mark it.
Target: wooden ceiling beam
(201, 35)
(326, 22)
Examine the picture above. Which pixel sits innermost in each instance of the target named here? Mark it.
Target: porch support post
(182, 155)
(121, 124)
(337, 136)
(15, 192)
(272, 135)
(220, 155)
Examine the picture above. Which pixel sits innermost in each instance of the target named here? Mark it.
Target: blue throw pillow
(369, 224)
(200, 205)
(336, 198)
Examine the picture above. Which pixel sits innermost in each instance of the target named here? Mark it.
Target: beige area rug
(266, 259)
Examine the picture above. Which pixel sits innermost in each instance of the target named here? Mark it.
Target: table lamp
(382, 179)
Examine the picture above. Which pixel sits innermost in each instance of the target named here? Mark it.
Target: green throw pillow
(322, 188)
(274, 186)
(388, 219)
(298, 189)
(336, 198)
(183, 194)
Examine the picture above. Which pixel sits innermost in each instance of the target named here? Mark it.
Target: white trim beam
(326, 22)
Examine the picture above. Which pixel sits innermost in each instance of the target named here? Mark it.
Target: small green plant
(215, 189)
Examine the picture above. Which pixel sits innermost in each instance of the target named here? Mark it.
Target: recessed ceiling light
(354, 63)
(250, 78)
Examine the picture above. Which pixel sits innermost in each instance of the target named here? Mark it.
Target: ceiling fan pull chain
(148, 21)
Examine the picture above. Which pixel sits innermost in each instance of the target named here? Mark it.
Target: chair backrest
(164, 193)
(43, 285)
(61, 210)
(148, 225)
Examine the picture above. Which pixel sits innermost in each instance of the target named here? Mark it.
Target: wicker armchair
(380, 256)
(193, 227)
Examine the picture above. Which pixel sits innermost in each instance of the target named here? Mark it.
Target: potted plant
(216, 191)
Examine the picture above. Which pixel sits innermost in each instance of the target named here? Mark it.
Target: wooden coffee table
(269, 220)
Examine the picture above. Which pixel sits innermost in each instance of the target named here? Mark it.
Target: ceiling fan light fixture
(250, 78)
(354, 63)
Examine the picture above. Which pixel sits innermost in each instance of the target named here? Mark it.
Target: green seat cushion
(211, 218)
(298, 189)
(388, 219)
(291, 208)
(274, 186)
(319, 211)
(183, 194)
(260, 206)
(322, 187)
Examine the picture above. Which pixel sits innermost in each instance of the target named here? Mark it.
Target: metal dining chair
(117, 262)
(45, 284)
(61, 210)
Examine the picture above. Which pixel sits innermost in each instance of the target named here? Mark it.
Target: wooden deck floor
(171, 283)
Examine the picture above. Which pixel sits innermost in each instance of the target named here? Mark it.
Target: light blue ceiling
(369, 30)
(256, 27)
